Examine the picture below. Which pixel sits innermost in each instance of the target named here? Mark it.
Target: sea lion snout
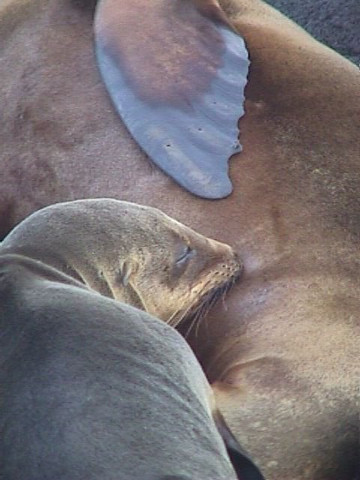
(218, 262)
(226, 257)
(195, 271)
(211, 255)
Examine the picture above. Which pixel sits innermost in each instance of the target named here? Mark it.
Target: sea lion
(129, 252)
(93, 388)
(282, 352)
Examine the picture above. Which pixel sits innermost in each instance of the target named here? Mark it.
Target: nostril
(237, 258)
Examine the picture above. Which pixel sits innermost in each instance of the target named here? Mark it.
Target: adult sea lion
(129, 252)
(93, 388)
(284, 352)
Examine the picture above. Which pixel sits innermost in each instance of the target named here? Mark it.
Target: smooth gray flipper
(176, 73)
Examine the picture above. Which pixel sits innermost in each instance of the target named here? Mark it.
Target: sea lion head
(131, 253)
(178, 270)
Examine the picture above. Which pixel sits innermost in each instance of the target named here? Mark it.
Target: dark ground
(334, 22)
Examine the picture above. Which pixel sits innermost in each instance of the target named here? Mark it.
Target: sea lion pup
(129, 252)
(95, 389)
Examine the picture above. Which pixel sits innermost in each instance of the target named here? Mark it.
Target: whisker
(207, 302)
(170, 320)
(192, 323)
(180, 315)
(191, 318)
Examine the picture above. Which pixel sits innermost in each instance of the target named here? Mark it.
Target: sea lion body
(284, 351)
(129, 252)
(93, 388)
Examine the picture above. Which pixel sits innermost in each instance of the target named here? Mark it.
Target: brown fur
(284, 351)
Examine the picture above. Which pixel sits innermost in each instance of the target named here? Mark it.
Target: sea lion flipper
(176, 73)
(243, 465)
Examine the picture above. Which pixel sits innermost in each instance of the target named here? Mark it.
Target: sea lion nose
(227, 254)
(236, 258)
(223, 256)
(238, 264)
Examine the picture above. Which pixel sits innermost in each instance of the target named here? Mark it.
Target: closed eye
(187, 253)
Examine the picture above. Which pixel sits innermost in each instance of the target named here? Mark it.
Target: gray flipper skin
(176, 75)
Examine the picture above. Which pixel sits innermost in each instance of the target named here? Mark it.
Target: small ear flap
(176, 73)
(243, 466)
(125, 273)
